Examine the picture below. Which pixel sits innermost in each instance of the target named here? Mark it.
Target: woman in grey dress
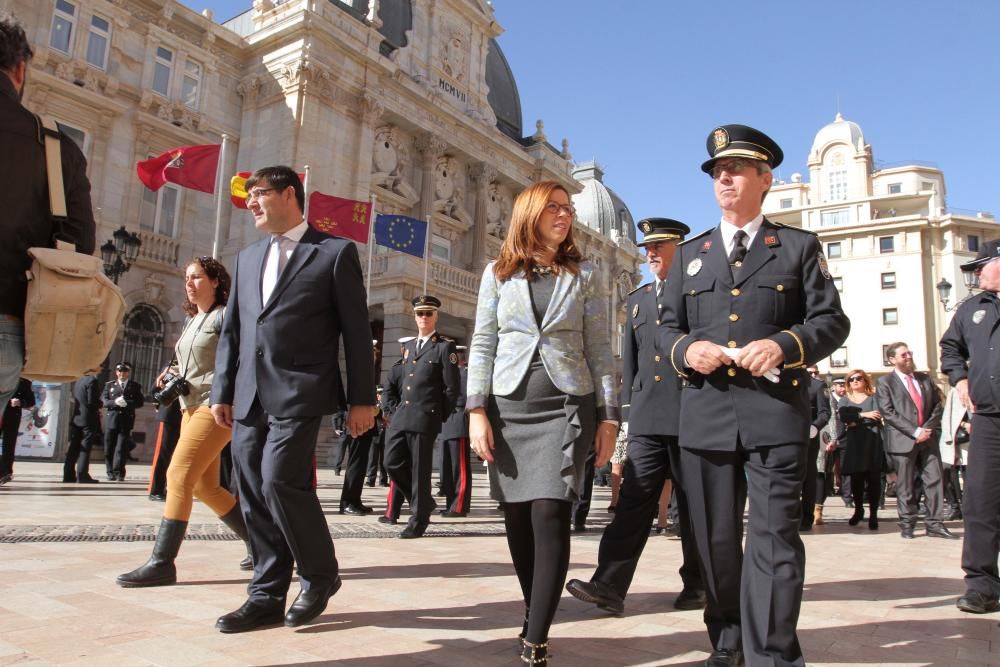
(863, 458)
(541, 393)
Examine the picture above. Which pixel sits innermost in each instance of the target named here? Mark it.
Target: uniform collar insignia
(706, 245)
(771, 239)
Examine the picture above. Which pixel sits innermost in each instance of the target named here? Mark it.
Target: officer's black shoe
(356, 510)
(385, 519)
(5, 478)
(413, 531)
(370, 482)
(252, 615)
(384, 483)
(690, 598)
(453, 515)
(597, 593)
(157, 497)
(69, 480)
(310, 604)
(906, 532)
(975, 602)
(725, 657)
(87, 480)
(112, 477)
(159, 570)
(234, 521)
(941, 531)
(579, 527)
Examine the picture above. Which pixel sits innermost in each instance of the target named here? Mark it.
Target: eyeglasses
(856, 378)
(904, 355)
(555, 209)
(733, 166)
(423, 313)
(257, 193)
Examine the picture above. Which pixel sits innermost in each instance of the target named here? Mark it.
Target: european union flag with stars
(399, 232)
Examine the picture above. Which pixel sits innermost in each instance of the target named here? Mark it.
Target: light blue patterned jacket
(573, 342)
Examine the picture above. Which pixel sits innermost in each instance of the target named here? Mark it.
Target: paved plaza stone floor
(450, 598)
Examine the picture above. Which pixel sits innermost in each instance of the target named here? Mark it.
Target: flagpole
(305, 189)
(427, 251)
(219, 196)
(371, 251)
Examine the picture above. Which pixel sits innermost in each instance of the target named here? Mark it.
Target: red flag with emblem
(344, 218)
(187, 166)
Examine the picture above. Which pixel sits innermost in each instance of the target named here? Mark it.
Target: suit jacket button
(795, 383)
(656, 377)
(731, 343)
(407, 402)
(731, 372)
(733, 317)
(656, 358)
(407, 387)
(260, 352)
(735, 291)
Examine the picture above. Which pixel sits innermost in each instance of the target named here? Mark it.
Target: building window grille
(837, 181)
(143, 344)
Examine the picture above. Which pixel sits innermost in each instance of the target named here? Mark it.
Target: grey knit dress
(541, 435)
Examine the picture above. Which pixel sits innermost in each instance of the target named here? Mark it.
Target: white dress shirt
(274, 264)
(728, 231)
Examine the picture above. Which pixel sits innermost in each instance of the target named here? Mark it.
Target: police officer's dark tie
(738, 253)
(420, 344)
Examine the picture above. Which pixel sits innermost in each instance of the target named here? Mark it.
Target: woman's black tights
(538, 538)
(872, 483)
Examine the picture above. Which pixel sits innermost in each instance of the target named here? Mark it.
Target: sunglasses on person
(423, 313)
(856, 378)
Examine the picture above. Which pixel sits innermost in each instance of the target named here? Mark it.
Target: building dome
(503, 97)
(839, 131)
(598, 206)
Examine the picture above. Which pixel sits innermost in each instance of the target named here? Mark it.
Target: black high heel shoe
(535, 654)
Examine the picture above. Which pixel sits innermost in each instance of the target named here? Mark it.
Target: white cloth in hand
(813, 431)
(733, 352)
(121, 402)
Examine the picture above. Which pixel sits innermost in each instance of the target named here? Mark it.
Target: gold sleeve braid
(673, 348)
(802, 351)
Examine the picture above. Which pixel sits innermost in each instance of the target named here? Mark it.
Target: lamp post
(119, 255)
(971, 281)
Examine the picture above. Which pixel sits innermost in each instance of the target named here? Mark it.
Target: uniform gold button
(735, 291)
(407, 387)
(692, 292)
(731, 343)
(656, 358)
(731, 373)
(733, 317)
(780, 288)
(411, 374)
(657, 322)
(795, 383)
(407, 402)
(656, 377)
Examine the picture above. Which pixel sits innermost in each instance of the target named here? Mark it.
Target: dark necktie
(739, 252)
(420, 345)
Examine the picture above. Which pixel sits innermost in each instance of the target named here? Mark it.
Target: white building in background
(412, 103)
(890, 239)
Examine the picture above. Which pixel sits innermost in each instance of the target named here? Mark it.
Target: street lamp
(119, 255)
(971, 281)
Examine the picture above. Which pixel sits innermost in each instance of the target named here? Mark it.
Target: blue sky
(639, 85)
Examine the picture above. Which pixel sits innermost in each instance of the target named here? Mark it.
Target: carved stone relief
(449, 190)
(390, 163)
(498, 208)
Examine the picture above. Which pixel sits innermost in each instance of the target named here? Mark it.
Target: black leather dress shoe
(413, 531)
(453, 515)
(725, 657)
(357, 510)
(941, 531)
(975, 602)
(597, 593)
(69, 480)
(87, 480)
(906, 532)
(252, 615)
(690, 598)
(385, 519)
(310, 604)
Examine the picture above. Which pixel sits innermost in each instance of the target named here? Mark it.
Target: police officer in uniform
(376, 465)
(456, 466)
(84, 430)
(121, 397)
(970, 359)
(748, 304)
(651, 396)
(390, 401)
(425, 395)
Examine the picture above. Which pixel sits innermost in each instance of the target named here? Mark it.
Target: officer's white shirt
(729, 230)
(422, 340)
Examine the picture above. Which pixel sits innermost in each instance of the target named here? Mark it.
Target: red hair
(522, 244)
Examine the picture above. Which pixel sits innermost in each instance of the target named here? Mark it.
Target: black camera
(174, 386)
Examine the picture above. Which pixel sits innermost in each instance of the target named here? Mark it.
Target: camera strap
(184, 370)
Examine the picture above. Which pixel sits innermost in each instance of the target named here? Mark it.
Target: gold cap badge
(721, 138)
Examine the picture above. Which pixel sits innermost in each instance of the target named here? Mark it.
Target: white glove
(813, 432)
(770, 374)
(121, 402)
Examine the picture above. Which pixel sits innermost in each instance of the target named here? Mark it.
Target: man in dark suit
(357, 460)
(911, 406)
(819, 404)
(969, 359)
(84, 429)
(295, 294)
(425, 395)
(121, 398)
(748, 304)
(650, 399)
(23, 397)
(456, 467)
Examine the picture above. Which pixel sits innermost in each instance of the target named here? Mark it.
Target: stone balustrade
(158, 248)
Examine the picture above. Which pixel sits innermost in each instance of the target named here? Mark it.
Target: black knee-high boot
(234, 520)
(159, 570)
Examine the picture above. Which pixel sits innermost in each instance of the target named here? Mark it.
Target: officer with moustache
(748, 305)
(651, 396)
(425, 395)
(121, 397)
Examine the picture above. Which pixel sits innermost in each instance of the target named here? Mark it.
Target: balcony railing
(158, 248)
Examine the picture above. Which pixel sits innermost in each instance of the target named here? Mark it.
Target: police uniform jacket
(784, 293)
(651, 390)
(116, 417)
(457, 425)
(26, 394)
(428, 387)
(87, 392)
(390, 393)
(970, 349)
(819, 400)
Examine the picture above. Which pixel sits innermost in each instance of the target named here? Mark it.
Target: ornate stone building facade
(890, 240)
(409, 101)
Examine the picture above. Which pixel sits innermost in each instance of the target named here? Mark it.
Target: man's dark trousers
(273, 466)
(457, 479)
(376, 465)
(404, 449)
(650, 460)
(981, 507)
(717, 484)
(581, 508)
(357, 464)
(81, 440)
(809, 483)
(10, 427)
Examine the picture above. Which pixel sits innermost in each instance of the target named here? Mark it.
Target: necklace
(541, 270)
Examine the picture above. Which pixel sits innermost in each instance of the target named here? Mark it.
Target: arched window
(143, 344)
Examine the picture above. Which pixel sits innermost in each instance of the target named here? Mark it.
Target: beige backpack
(73, 311)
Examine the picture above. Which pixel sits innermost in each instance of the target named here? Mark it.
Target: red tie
(917, 401)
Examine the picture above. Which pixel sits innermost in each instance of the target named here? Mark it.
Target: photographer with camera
(194, 467)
